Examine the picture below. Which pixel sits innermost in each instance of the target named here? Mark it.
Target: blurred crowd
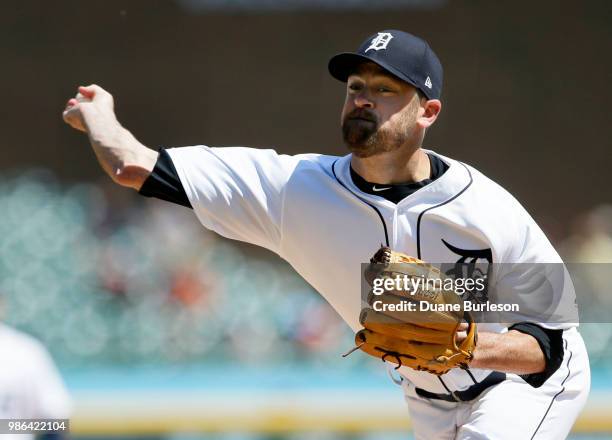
(101, 275)
(133, 280)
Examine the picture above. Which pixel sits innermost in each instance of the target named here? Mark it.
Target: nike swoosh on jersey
(380, 189)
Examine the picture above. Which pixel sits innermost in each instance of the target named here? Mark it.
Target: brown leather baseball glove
(421, 336)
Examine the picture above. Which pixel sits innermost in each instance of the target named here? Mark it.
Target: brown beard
(362, 135)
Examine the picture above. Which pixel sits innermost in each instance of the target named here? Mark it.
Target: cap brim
(341, 66)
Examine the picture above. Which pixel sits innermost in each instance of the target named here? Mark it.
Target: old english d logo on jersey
(474, 264)
(380, 41)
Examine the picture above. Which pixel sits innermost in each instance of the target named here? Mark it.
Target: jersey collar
(451, 183)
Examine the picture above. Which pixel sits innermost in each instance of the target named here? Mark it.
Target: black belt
(468, 394)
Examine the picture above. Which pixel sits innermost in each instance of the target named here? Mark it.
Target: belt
(468, 394)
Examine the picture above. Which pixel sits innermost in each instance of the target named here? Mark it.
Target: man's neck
(393, 167)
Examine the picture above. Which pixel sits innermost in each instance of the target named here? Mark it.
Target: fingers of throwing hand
(71, 103)
(94, 92)
(72, 112)
(88, 100)
(76, 100)
(72, 116)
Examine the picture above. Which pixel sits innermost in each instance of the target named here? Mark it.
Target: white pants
(512, 409)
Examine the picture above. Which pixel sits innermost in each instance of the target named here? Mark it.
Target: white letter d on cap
(380, 41)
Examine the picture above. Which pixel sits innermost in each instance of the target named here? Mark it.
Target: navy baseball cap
(402, 54)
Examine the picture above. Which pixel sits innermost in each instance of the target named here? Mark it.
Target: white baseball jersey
(30, 385)
(306, 209)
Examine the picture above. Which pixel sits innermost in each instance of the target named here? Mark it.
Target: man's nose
(362, 100)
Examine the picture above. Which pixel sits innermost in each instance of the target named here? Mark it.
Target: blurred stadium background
(134, 299)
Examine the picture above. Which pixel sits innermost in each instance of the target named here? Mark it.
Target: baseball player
(30, 385)
(326, 215)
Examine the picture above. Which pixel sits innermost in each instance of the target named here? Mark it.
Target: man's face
(379, 112)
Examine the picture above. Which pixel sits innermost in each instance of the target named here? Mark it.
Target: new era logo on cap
(401, 54)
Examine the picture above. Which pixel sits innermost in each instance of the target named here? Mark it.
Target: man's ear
(430, 110)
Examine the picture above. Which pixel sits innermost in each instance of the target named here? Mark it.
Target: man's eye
(354, 87)
(384, 90)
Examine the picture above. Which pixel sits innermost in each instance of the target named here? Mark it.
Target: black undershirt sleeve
(551, 343)
(164, 183)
